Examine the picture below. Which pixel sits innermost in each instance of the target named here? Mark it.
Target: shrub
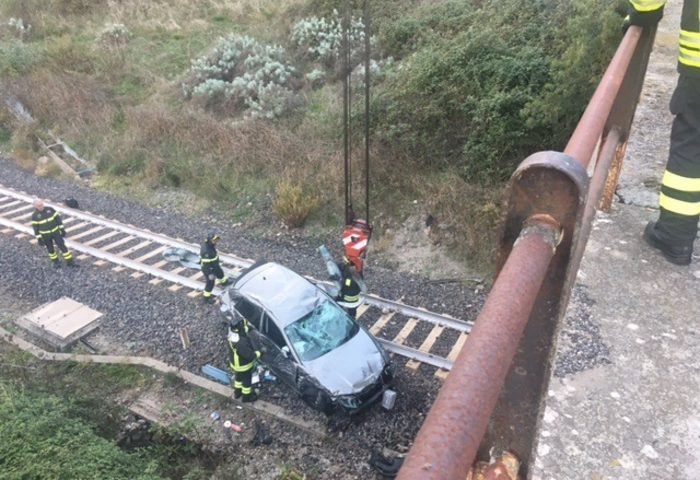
(477, 99)
(321, 39)
(41, 435)
(293, 204)
(15, 27)
(243, 75)
(17, 58)
(115, 35)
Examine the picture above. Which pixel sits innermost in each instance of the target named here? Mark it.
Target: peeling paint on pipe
(459, 417)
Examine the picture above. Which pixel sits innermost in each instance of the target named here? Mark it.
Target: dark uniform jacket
(209, 258)
(244, 355)
(349, 290)
(46, 223)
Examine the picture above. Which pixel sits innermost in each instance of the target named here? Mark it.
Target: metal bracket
(548, 188)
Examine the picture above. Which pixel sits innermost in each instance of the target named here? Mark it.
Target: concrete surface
(634, 415)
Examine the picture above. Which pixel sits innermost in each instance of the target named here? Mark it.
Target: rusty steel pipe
(583, 141)
(447, 443)
(602, 170)
(607, 154)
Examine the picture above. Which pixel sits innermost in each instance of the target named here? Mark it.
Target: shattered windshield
(326, 327)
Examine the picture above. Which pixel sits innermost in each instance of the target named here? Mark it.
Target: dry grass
(70, 102)
(293, 203)
(466, 216)
(185, 15)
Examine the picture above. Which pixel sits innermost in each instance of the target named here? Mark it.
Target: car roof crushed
(286, 294)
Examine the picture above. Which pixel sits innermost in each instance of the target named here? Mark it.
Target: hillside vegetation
(240, 102)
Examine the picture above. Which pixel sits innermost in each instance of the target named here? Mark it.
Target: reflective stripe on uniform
(209, 260)
(680, 207)
(236, 364)
(647, 5)
(41, 222)
(689, 57)
(351, 298)
(678, 182)
(690, 39)
(47, 232)
(68, 255)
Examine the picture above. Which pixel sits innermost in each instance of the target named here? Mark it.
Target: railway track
(407, 331)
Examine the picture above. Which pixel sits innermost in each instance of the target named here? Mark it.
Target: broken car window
(273, 332)
(323, 329)
(249, 311)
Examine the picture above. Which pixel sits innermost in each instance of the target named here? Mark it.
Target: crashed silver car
(308, 340)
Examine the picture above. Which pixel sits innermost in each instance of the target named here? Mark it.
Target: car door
(248, 310)
(277, 354)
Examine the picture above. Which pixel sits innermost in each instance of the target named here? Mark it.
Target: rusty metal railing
(493, 398)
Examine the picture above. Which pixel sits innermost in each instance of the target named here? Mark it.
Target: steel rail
(112, 258)
(236, 261)
(419, 313)
(186, 281)
(128, 229)
(417, 355)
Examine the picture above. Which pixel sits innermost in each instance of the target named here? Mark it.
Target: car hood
(350, 367)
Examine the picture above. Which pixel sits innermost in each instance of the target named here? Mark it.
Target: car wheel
(318, 400)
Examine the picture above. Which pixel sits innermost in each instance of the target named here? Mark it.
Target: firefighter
(209, 261)
(49, 230)
(243, 357)
(679, 201)
(350, 288)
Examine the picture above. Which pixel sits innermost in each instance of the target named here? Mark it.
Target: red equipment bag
(355, 239)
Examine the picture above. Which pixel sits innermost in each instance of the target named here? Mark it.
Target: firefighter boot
(250, 397)
(208, 298)
(237, 393)
(674, 251)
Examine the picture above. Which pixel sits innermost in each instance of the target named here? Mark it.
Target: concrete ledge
(258, 406)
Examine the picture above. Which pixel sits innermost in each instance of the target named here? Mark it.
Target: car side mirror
(285, 351)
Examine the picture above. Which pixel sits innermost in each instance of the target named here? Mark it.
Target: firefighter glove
(644, 19)
(62, 231)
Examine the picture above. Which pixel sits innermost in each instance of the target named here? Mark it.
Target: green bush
(242, 75)
(44, 437)
(321, 38)
(474, 97)
(17, 58)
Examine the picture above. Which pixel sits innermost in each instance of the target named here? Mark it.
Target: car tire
(318, 400)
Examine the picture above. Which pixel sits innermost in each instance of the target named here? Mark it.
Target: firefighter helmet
(213, 237)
